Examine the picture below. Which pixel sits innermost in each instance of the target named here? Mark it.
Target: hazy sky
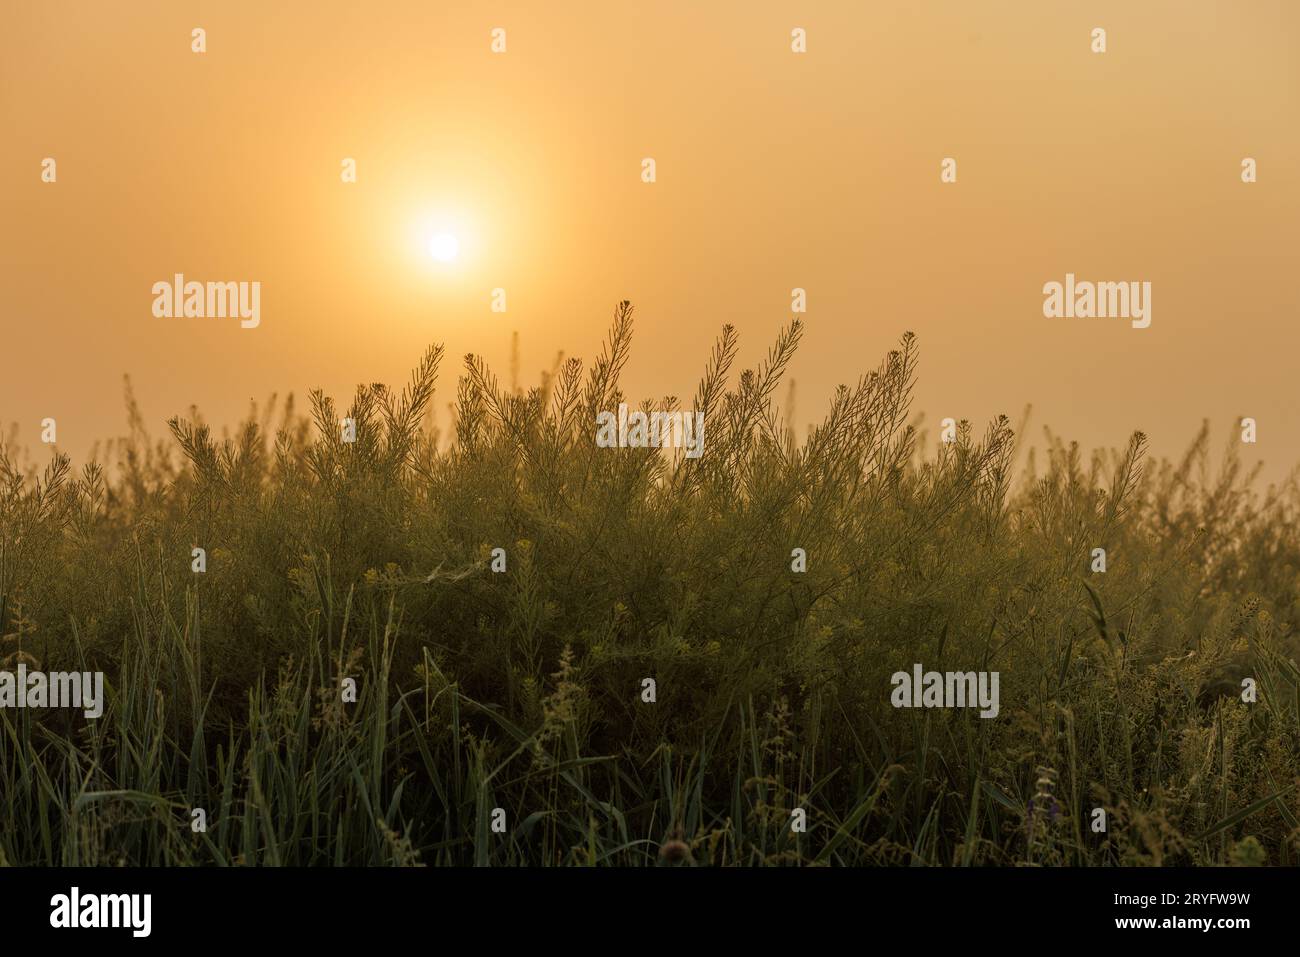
(774, 170)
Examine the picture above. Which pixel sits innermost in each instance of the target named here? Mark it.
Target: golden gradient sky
(775, 170)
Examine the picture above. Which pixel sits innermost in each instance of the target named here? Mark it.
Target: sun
(443, 241)
(444, 247)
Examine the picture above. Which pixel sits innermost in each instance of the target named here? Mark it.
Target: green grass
(522, 690)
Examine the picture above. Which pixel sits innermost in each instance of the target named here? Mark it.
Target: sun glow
(444, 244)
(444, 247)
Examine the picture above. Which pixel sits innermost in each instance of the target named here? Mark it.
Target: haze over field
(585, 626)
(774, 171)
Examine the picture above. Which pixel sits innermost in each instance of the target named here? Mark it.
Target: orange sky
(775, 170)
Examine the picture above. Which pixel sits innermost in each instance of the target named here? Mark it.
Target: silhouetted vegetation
(523, 689)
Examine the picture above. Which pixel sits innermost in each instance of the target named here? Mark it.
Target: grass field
(516, 697)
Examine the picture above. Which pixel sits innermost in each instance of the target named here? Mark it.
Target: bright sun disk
(444, 247)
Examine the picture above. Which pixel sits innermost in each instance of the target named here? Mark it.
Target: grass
(522, 691)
